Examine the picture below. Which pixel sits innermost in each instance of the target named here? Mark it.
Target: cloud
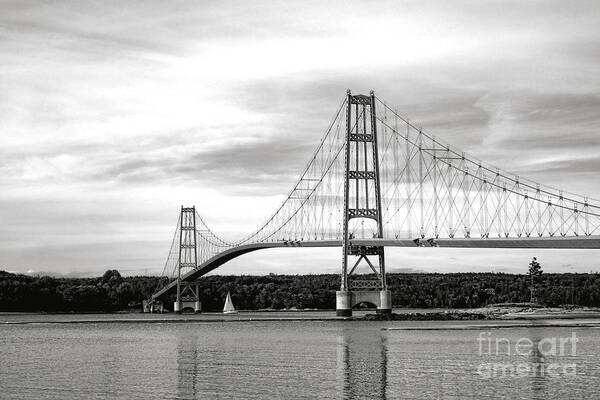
(114, 114)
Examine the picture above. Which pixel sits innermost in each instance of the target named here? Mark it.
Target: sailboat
(229, 308)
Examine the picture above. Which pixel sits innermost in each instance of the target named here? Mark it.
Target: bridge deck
(576, 242)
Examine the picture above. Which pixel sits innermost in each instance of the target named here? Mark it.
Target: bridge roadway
(567, 242)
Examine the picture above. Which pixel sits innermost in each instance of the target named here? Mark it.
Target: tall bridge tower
(362, 205)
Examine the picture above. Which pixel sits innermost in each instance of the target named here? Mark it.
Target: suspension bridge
(374, 181)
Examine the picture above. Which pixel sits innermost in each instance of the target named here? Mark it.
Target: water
(283, 359)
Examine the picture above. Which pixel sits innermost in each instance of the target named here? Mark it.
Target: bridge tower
(362, 200)
(188, 294)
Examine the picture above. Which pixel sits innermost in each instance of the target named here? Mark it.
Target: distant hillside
(112, 292)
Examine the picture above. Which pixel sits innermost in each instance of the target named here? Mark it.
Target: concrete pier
(178, 307)
(343, 303)
(385, 302)
(345, 300)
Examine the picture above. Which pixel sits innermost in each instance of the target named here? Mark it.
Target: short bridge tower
(188, 293)
(362, 206)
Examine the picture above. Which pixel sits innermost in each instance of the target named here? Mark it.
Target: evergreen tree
(535, 270)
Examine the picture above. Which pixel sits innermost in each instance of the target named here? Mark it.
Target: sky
(113, 114)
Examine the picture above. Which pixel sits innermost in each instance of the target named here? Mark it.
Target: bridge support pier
(385, 302)
(179, 306)
(343, 303)
(152, 306)
(345, 300)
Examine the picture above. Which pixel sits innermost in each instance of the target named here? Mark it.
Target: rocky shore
(494, 312)
(433, 316)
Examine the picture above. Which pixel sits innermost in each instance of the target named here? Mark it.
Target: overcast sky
(113, 114)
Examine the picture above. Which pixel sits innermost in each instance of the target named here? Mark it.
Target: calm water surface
(289, 359)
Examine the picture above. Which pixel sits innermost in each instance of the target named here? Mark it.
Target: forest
(113, 292)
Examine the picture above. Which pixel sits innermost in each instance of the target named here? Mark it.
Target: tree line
(113, 292)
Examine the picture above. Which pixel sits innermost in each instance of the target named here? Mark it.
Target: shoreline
(485, 324)
(504, 317)
(595, 324)
(488, 310)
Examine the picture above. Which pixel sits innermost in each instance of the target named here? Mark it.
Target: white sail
(229, 308)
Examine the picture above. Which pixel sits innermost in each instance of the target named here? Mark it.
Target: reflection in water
(362, 364)
(538, 370)
(187, 367)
